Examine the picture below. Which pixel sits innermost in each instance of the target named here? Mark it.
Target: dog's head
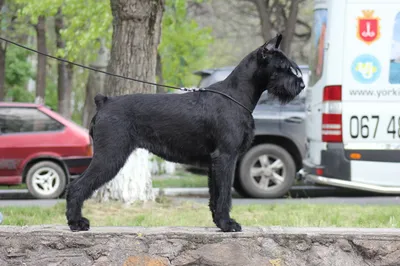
(276, 73)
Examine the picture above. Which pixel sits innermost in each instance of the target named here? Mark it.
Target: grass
(181, 179)
(194, 214)
(20, 186)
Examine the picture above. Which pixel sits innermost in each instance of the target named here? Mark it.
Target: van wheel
(46, 180)
(267, 171)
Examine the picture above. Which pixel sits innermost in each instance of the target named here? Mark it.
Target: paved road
(200, 195)
(240, 201)
(28, 203)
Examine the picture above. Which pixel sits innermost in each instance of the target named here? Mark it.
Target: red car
(41, 148)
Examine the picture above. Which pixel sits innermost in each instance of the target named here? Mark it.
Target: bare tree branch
(264, 14)
(304, 36)
(290, 26)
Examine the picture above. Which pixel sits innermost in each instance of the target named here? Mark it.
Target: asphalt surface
(298, 194)
(358, 200)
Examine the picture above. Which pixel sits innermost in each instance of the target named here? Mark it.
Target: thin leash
(128, 78)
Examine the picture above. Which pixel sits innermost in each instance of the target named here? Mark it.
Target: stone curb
(162, 246)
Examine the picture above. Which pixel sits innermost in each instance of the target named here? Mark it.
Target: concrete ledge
(56, 245)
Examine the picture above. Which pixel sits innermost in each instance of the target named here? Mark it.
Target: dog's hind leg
(106, 163)
(223, 168)
(213, 193)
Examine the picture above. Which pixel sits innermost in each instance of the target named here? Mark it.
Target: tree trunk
(95, 84)
(61, 66)
(290, 27)
(2, 70)
(68, 91)
(265, 11)
(3, 47)
(159, 75)
(264, 14)
(41, 64)
(136, 35)
(62, 81)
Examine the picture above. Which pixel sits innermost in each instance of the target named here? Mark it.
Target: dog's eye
(295, 72)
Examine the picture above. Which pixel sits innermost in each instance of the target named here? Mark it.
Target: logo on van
(368, 27)
(366, 69)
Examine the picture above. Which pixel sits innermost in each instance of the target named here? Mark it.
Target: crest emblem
(368, 28)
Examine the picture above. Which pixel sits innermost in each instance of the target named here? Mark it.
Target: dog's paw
(80, 225)
(229, 225)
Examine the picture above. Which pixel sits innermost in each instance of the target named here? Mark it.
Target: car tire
(252, 185)
(46, 180)
(239, 189)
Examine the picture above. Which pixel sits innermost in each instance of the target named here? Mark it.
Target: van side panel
(370, 103)
(370, 92)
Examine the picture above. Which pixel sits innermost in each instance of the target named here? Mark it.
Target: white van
(353, 96)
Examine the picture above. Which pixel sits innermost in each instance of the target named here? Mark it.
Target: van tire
(249, 184)
(53, 176)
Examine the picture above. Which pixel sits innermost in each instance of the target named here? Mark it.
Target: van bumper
(335, 170)
(322, 180)
(334, 164)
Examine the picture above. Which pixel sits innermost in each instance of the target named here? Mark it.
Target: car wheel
(267, 171)
(239, 189)
(46, 180)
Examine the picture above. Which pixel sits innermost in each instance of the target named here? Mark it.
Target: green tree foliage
(86, 22)
(184, 45)
(183, 48)
(18, 72)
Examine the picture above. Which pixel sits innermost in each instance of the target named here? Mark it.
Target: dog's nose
(302, 85)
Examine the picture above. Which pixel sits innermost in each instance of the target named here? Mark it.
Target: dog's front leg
(223, 168)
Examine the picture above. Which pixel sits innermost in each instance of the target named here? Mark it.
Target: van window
(23, 120)
(317, 45)
(394, 76)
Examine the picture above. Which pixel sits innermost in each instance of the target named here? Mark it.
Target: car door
(10, 124)
(293, 123)
(23, 131)
(266, 116)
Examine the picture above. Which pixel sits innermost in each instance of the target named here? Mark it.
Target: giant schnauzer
(203, 128)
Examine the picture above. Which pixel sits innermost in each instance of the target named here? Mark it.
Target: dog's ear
(273, 43)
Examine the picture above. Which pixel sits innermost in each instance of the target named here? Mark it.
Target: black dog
(196, 127)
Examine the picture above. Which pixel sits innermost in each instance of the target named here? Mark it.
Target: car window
(217, 76)
(297, 104)
(205, 81)
(18, 120)
(267, 99)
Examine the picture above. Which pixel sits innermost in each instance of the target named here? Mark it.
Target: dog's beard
(284, 88)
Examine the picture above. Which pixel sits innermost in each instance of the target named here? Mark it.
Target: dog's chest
(248, 135)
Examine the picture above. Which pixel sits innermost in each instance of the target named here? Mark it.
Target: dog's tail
(100, 100)
(91, 126)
